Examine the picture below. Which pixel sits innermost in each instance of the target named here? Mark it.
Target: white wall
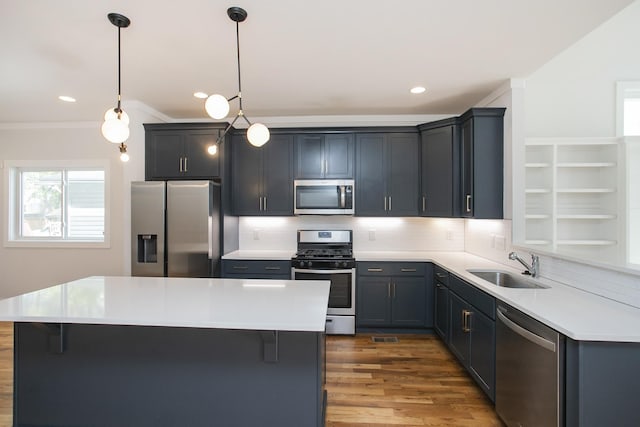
(25, 269)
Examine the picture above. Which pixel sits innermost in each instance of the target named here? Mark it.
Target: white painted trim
(506, 87)
(623, 89)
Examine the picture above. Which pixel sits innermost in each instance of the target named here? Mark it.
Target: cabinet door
(198, 163)
(310, 162)
(277, 187)
(441, 322)
(458, 333)
(402, 174)
(438, 173)
(370, 170)
(408, 301)
(372, 301)
(482, 351)
(246, 176)
(164, 151)
(338, 156)
(467, 199)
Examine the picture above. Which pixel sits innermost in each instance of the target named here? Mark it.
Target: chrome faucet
(532, 269)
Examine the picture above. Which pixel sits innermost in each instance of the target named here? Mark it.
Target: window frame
(12, 197)
(624, 90)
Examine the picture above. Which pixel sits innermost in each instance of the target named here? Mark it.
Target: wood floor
(414, 382)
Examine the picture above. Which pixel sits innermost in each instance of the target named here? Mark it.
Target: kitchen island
(107, 351)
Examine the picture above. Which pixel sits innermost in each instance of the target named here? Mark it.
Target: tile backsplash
(369, 234)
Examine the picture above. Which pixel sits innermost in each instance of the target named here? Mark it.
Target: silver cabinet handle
(441, 275)
(424, 203)
(265, 203)
(271, 268)
(185, 165)
(394, 290)
(385, 203)
(389, 290)
(326, 167)
(408, 270)
(260, 201)
(468, 202)
(240, 267)
(180, 165)
(466, 314)
(389, 203)
(374, 270)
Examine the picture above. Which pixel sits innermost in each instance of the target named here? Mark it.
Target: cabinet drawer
(391, 268)
(441, 275)
(264, 267)
(483, 302)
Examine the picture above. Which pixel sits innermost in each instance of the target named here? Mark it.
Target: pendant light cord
(238, 57)
(119, 85)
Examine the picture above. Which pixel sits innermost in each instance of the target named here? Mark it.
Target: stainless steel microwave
(323, 197)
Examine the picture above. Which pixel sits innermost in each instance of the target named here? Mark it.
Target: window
(628, 114)
(54, 204)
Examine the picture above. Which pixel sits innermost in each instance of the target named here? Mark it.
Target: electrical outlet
(256, 234)
(449, 235)
(372, 234)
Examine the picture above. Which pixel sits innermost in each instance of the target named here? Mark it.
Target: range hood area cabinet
(324, 156)
(179, 151)
(387, 168)
(482, 163)
(262, 178)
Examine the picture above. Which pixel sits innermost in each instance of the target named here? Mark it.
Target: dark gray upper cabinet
(319, 156)
(179, 151)
(482, 165)
(387, 174)
(262, 178)
(440, 169)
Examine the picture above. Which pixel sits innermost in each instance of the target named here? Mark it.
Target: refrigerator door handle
(210, 237)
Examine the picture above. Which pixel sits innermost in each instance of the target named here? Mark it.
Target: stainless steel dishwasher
(529, 371)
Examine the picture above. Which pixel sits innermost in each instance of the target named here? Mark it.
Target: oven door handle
(304, 270)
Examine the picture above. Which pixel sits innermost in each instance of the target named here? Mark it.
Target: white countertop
(283, 305)
(575, 313)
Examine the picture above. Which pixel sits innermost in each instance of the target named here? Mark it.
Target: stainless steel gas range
(328, 255)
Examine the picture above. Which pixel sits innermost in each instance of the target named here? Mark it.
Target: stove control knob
(309, 263)
(336, 263)
(344, 263)
(300, 263)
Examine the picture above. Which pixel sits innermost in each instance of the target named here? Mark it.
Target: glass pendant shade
(115, 130)
(112, 114)
(124, 157)
(258, 134)
(217, 106)
(212, 149)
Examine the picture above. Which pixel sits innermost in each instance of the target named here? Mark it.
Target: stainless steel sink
(506, 279)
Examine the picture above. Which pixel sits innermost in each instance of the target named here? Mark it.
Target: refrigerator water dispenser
(147, 248)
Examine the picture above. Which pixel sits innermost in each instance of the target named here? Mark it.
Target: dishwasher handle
(524, 333)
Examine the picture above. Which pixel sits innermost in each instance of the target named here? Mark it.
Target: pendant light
(116, 122)
(217, 106)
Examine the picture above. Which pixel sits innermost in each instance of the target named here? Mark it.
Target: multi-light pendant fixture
(116, 122)
(217, 106)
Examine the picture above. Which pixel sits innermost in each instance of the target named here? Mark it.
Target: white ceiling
(299, 58)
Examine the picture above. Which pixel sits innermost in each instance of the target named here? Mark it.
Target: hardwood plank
(415, 382)
(6, 374)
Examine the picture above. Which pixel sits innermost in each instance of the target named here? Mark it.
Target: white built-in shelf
(586, 242)
(571, 185)
(537, 216)
(586, 190)
(586, 216)
(586, 165)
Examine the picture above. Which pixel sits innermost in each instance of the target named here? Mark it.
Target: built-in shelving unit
(571, 194)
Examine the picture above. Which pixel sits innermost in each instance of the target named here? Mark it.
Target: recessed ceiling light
(200, 95)
(418, 89)
(66, 98)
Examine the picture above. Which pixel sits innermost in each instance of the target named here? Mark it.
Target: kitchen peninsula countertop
(573, 312)
(282, 305)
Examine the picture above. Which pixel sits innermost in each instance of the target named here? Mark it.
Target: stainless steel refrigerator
(175, 228)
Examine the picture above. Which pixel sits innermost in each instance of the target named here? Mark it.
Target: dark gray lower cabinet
(256, 269)
(394, 295)
(441, 298)
(472, 336)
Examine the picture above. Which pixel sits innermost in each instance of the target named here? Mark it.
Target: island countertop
(281, 305)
